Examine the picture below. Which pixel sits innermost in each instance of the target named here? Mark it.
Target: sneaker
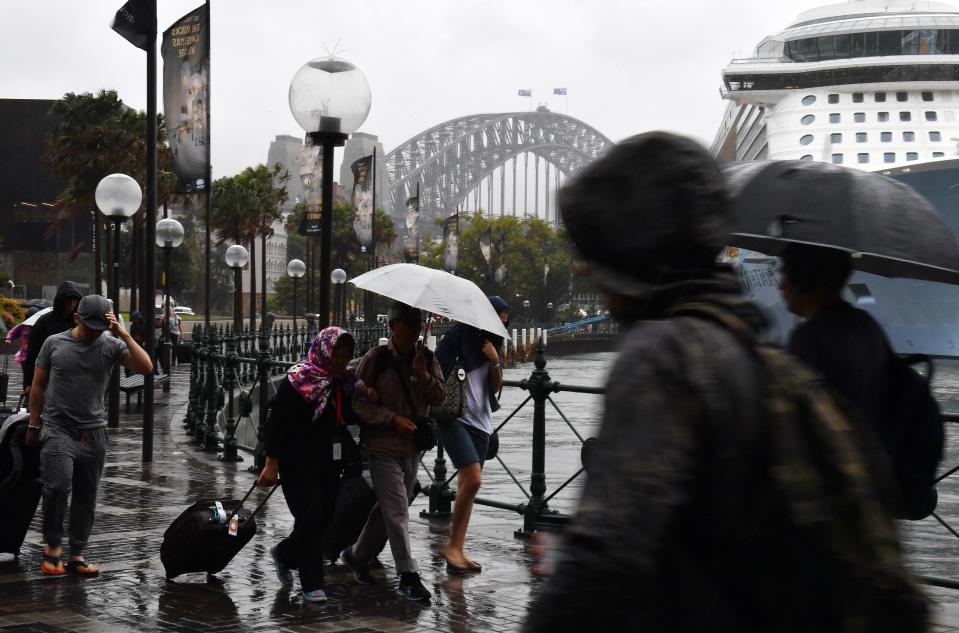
(412, 588)
(360, 571)
(283, 573)
(317, 595)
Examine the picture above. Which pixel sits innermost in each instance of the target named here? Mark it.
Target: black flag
(132, 21)
(310, 224)
(363, 201)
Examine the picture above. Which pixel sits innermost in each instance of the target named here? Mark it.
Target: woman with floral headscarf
(308, 447)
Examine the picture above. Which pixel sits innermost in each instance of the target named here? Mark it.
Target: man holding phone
(67, 422)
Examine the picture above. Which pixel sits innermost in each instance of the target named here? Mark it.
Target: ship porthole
(808, 119)
(809, 100)
(806, 139)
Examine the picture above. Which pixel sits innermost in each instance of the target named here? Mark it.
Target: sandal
(51, 565)
(82, 568)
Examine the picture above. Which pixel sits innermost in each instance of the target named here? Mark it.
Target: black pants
(311, 497)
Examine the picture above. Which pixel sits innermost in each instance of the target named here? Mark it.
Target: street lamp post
(169, 235)
(236, 258)
(526, 310)
(338, 277)
(118, 197)
(295, 269)
(330, 99)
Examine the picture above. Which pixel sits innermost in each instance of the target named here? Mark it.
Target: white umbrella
(36, 317)
(435, 291)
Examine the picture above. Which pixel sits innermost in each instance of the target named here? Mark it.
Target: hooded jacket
(677, 528)
(51, 323)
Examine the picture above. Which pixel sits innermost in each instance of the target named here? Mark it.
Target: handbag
(454, 406)
(424, 436)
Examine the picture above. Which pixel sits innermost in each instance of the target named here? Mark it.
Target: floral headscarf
(311, 376)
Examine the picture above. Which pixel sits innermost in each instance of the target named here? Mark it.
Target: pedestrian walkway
(138, 502)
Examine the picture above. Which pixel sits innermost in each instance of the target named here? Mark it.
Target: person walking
(308, 447)
(173, 325)
(59, 319)
(67, 422)
(21, 332)
(703, 507)
(410, 375)
(466, 439)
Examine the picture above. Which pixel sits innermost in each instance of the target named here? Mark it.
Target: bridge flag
(186, 98)
(559, 91)
(451, 239)
(526, 93)
(411, 251)
(362, 199)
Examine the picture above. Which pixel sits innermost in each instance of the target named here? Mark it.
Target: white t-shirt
(478, 413)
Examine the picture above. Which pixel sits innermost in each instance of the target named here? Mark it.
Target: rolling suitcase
(20, 484)
(353, 505)
(200, 540)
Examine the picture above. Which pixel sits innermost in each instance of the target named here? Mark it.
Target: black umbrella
(890, 229)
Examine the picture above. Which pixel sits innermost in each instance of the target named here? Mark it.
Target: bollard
(211, 441)
(231, 364)
(539, 386)
(545, 336)
(515, 341)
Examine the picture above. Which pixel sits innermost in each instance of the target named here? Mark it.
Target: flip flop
(51, 565)
(473, 565)
(82, 568)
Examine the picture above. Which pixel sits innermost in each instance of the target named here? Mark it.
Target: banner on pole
(186, 98)
(451, 240)
(411, 245)
(132, 21)
(310, 224)
(486, 245)
(362, 199)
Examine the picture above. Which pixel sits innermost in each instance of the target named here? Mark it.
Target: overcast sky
(629, 66)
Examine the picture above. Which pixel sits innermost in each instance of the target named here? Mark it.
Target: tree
(537, 258)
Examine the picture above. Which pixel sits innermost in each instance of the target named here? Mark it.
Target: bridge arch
(463, 156)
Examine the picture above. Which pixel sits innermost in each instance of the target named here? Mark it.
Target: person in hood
(136, 327)
(466, 439)
(679, 527)
(59, 319)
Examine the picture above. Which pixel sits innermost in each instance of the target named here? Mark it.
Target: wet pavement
(138, 502)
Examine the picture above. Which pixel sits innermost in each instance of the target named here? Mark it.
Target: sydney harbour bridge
(504, 164)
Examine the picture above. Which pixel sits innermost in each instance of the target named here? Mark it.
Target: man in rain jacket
(59, 319)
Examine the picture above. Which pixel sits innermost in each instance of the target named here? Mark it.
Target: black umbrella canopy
(889, 228)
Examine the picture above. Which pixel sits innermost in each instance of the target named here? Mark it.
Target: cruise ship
(871, 85)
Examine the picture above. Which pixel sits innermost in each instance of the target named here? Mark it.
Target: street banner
(132, 21)
(486, 245)
(451, 240)
(363, 201)
(500, 275)
(310, 224)
(411, 253)
(186, 98)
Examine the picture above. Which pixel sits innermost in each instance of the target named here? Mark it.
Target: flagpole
(150, 272)
(368, 297)
(209, 182)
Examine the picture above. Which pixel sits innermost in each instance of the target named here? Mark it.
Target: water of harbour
(930, 548)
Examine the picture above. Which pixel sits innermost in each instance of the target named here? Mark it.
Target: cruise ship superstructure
(871, 85)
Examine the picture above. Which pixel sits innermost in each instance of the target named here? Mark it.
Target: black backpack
(913, 437)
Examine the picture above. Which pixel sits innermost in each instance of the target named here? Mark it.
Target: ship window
(859, 117)
(885, 137)
(835, 117)
(862, 158)
(908, 137)
(806, 139)
(806, 157)
(857, 97)
(882, 117)
(809, 100)
(837, 159)
(880, 97)
(905, 116)
(912, 155)
(931, 116)
(833, 98)
(889, 157)
(927, 96)
(835, 139)
(938, 154)
(808, 119)
(935, 136)
(902, 96)
(861, 137)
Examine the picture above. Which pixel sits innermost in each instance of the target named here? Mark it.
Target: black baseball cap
(92, 312)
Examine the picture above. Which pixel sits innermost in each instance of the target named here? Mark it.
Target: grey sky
(629, 66)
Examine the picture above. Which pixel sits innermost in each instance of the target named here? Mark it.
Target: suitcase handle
(247, 496)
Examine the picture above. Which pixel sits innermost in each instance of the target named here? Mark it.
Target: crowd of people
(731, 488)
